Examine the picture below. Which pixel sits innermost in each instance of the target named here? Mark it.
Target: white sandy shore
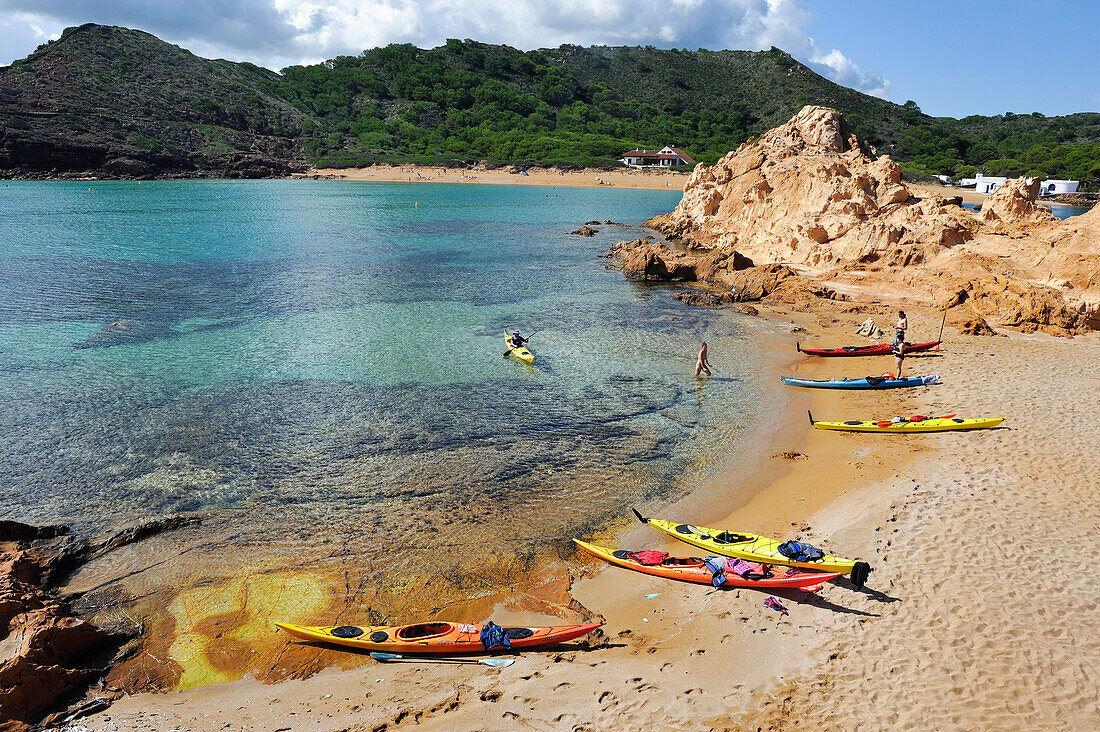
(981, 614)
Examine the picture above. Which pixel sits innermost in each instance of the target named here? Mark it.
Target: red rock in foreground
(47, 655)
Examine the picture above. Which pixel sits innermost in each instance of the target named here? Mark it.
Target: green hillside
(120, 101)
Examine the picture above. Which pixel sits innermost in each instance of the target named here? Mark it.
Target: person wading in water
(703, 364)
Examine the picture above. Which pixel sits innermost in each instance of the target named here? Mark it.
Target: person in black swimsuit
(898, 349)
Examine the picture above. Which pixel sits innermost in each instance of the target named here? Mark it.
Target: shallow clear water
(319, 365)
(1060, 210)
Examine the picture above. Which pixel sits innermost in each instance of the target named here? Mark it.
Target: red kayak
(881, 349)
(693, 570)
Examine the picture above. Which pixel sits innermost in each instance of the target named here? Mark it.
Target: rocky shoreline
(50, 655)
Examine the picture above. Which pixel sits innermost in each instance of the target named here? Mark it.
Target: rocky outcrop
(810, 192)
(968, 322)
(1021, 305)
(48, 655)
(585, 230)
(812, 195)
(1014, 204)
(646, 259)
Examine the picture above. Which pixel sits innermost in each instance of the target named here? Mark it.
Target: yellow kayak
(521, 353)
(932, 424)
(754, 548)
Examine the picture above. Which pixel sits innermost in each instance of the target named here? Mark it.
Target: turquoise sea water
(1060, 210)
(319, 362)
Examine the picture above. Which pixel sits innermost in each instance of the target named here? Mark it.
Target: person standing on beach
(702, 364)
(900, 327)
(898, 349)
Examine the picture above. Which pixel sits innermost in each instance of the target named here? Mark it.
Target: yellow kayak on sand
(931, 424)
(521, 353)
(754, 548)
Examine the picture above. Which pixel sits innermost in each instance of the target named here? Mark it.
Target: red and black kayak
(882, 349)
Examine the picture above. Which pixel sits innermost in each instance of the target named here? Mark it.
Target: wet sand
(966, 622)
(620, 178)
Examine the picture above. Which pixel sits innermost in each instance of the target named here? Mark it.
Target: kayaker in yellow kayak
(517, 340)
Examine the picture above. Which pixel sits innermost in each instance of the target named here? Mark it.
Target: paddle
(494, 662)
(509, 351)
(940, 336)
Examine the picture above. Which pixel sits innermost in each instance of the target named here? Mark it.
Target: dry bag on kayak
(648, 557)
(492, 635)
(800, 551)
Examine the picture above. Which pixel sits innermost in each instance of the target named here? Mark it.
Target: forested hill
(117, 101)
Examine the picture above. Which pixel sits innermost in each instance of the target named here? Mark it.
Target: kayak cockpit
(420, 631)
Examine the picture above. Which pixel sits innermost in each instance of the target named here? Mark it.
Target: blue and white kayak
(867, 382)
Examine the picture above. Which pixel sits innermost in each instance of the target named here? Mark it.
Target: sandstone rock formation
(811, 195)
(1014, 203)
(809, 192)
(47, 654)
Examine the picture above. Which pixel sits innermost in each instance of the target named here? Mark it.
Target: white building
(666, 157)
(1054, 187)
(988, 184)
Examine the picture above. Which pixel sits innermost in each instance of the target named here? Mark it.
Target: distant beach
(588, 177)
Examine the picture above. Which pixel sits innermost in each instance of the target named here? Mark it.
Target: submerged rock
(122, 332)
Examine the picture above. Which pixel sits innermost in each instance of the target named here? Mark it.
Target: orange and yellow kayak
(692, 569)
(433, 637)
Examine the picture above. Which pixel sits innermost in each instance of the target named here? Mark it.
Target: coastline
(772, 497)
(695, 656)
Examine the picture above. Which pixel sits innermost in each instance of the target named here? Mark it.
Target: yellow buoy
(416, 205)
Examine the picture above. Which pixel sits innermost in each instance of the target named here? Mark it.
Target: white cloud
(842, 70)
(275, 33)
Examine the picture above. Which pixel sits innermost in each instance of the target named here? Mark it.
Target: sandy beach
(621, 178)
(965, 623)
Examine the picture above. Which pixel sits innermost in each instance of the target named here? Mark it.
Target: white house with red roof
(666, 157)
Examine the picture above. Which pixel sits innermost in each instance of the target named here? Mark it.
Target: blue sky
(969, 57)
(952, 58)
